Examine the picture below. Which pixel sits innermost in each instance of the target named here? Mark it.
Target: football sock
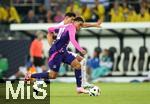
(40, 75)
(83, 71)
(78, 77)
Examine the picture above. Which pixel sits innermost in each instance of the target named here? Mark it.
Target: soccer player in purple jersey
(58, 53)
(69, 19)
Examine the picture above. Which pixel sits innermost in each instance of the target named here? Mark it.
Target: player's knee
(79, 58)
(78, 66)
(52, 76)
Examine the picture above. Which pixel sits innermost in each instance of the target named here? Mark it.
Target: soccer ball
(94, 91)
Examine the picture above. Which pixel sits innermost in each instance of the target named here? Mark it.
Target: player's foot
(87, 85)
(27, 76)
(82, 90)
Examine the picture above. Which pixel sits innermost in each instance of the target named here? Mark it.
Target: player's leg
(71, 60)
(39, 64)
(52, 75)
(54, 65)
(83, 72)
(46, 75)
(77, 66)
(75, 63)
(79, 58)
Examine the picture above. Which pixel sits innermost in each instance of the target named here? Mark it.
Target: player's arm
(98, 24)
(55, 28)
(72, 32)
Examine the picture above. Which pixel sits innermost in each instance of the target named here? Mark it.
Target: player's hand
(98, 24)
(83, 52)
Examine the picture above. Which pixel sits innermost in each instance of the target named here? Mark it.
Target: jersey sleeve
(72, 32)
(55, 28)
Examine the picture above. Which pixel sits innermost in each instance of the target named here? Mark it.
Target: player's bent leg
(28, 76)
(45, 75)
(76, 64)
(81, 81)
(79, 58)
(53, 74)
(70, 59)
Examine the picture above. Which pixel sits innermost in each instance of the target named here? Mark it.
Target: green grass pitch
(112, 93)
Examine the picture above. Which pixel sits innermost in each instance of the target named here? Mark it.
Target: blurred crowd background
(49, 11)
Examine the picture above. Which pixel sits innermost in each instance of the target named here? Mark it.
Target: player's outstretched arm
(72, 32)
(98, 24)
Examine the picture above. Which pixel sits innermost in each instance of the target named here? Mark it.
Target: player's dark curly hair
(79, 19)
(70, 14)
